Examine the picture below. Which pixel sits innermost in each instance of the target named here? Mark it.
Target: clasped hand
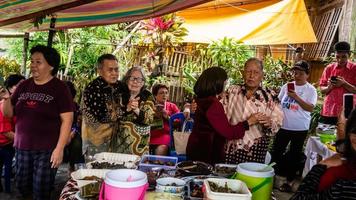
(133, 104)
(260, 118)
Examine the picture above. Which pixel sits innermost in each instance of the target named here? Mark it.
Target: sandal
(285, 188)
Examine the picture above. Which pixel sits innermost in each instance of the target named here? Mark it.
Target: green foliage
(231, 55)
(88, 43)
(315, 118)
(276, 73)
(8, 67)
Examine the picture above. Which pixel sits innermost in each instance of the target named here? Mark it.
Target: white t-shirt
(295, 117)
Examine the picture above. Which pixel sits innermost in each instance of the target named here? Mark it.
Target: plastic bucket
(257, 178)
(125, 184)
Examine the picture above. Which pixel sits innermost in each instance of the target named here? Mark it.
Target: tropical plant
(8, 67)
(87, 44)
(276, 73)
(162, 34)
(315, 118)
(231, 55)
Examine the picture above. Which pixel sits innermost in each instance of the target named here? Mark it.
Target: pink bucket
(125, 184)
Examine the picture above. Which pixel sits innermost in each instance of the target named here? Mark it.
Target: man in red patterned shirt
(337, 79)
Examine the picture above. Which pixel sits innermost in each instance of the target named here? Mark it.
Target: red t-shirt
(333, 174)
(6, 125)
(37, 111)
(334, 99)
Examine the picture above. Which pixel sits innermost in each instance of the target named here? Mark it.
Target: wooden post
(24, 53)
(345, 26)
(51, 32)
(70, 54)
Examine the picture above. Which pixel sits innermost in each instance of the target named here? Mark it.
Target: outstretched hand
(333, 161)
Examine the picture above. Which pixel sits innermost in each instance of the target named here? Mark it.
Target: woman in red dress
(160, 137)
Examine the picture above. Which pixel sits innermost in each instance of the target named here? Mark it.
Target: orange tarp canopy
(265, 22)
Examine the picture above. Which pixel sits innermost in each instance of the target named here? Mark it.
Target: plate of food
(189, 168)
(225, 170)
(103, 164)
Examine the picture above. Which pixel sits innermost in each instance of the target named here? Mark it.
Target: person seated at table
(211, 127)
(334, 177)
(296, 105)
(160, 137)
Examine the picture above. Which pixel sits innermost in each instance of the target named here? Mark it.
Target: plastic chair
(181, 118)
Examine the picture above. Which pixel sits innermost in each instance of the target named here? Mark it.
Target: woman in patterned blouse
(250, 100)
(133, 135)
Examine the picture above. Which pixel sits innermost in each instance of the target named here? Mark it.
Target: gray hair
(131, 70)
(256, 61)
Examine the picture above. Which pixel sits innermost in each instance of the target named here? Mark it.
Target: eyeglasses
(137, 79)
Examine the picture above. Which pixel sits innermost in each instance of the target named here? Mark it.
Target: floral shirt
(238, 109)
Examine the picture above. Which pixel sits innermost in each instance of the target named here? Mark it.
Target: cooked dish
(107, 165)
(196, 190)
(158, 162)
(225, 170)
(216, 188)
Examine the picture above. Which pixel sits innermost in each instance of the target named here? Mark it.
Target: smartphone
(333, 78)
(348, 104)
(290, 87)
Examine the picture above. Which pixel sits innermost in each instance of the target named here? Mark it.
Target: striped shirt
(239, 108)
(341, 189)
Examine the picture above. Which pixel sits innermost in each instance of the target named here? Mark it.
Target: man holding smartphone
(337, 79)
(298, 99)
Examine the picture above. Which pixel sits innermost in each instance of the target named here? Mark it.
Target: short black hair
(71, 88)
(342, 47)
(105, 57)
(254, 60)
(299, 50)
(302, 65)
(50, 54)
(13, 80)
(211, 82)
(156, 88)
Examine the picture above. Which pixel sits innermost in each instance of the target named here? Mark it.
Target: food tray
(226, 166)
(117, 157)
(162, 159)
(81, 173)
(195, 183)
(189, 168)
(128, 165)
(236, 185)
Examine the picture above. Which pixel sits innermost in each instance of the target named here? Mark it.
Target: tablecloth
(314, 148)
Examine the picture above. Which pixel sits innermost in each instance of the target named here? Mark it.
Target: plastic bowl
(324, 138)
(170, 185)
